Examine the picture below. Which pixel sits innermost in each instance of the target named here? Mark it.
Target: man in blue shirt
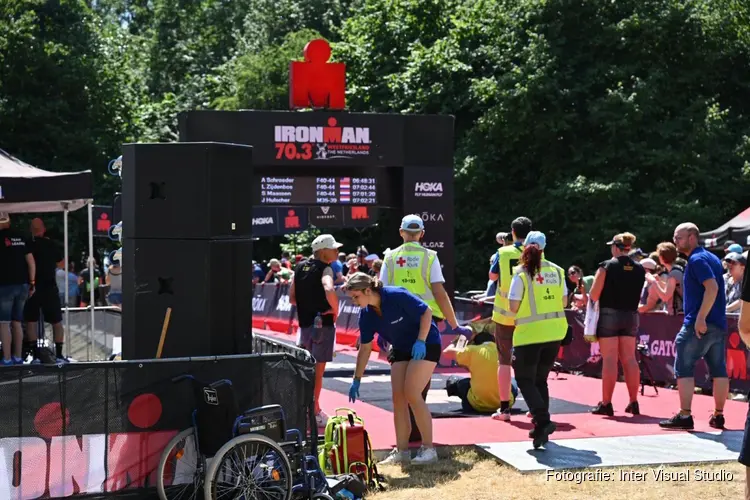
(704, 331)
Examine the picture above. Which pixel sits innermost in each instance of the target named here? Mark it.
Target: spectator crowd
(282, 270)
(662, 291)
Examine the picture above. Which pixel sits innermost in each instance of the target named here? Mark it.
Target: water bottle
(345, 495)
(318, 322)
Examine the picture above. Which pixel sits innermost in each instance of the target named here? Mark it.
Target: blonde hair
(361, 282)
(626, 240)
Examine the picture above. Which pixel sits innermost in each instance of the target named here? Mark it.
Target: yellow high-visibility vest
(507, 258)
(541, 316)
(409, 267)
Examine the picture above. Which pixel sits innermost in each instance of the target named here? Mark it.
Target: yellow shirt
(482, 362)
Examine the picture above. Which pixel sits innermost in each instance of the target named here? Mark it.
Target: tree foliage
(591, 118)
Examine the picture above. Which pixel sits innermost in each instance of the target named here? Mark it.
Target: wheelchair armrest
(296, 434)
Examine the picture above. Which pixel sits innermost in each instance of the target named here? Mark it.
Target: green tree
(300, 243)
(261, 80)
(589, 117)
(65, 103)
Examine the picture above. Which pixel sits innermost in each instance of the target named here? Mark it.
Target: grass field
(465, 474)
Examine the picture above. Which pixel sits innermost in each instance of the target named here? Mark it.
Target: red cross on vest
(539, 278)
(400, 262)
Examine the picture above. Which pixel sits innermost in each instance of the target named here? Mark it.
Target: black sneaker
(678, 422)
(602, 409)
(46, 356)
(541, 434)
(716, 421)
(633, 408)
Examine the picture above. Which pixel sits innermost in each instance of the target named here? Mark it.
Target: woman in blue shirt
(405, 321)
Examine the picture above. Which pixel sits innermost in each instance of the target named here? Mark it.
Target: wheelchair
(231, 455)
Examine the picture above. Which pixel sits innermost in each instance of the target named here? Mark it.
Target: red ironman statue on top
(316, 83)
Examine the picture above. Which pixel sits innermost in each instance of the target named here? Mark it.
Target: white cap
(649, 264)
(325, 242)
(4, 217)
(372, 256)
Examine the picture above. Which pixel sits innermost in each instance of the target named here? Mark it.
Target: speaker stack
(187, 250)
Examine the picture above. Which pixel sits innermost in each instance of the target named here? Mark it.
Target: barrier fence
(99, 429)
(84, 342)
(272, 310)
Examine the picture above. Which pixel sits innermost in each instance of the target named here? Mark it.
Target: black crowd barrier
(272, 310)
(98, 429)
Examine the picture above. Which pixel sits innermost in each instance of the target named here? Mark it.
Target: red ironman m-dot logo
(316, 83)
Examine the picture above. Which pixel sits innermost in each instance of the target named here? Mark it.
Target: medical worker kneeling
(405, 321)
(538, 297)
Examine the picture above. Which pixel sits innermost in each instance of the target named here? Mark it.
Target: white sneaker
(425, 456)
(396, 457)
(321, 419)
(502, 415)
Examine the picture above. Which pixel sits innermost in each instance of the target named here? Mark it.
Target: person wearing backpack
(671, 291)
(405, 321)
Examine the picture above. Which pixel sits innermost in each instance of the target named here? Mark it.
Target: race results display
(306, 190)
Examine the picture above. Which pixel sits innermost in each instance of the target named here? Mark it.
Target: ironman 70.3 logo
(321, 143)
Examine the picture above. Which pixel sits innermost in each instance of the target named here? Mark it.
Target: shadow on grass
(452, 462)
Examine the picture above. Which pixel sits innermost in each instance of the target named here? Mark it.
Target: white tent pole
(91, 278)
(67, 287)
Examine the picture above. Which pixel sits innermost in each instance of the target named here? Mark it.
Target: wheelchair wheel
(249, 467)
(181, 470)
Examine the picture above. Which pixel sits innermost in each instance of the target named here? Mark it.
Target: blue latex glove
(419, 350)
(464, 330)
(354, 391)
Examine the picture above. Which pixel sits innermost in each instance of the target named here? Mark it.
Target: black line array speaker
(187, 250)
(187, 190)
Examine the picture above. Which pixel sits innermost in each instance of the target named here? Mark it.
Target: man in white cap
(418, 269)
(313, 293)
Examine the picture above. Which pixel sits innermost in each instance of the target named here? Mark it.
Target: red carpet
(583, 390)
(468, 431)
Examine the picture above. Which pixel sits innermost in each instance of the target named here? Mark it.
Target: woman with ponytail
(538, 297)
(405, 321)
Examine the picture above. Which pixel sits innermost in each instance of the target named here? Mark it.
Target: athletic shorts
(617, 323)
(504, 342)
(433, 354)
(46, 299)
(319, 341)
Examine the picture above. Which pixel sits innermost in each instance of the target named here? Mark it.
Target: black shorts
(46, 299)
(433, 354)
(616, 323)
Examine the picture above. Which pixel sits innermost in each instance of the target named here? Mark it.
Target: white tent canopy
(25, 188)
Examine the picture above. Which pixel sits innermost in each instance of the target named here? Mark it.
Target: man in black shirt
(17, 280)
(46, 298)
(313, 293)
